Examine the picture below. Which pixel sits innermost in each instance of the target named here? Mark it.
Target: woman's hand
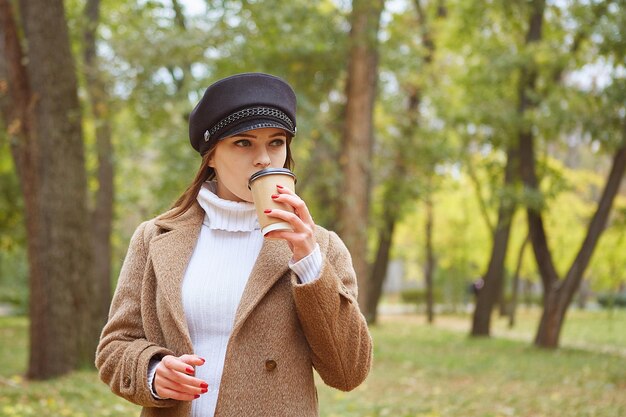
(174, 378)
(302, 240)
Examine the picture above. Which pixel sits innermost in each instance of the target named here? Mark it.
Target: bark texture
(358, 136)
(45, 129)
(102, 212)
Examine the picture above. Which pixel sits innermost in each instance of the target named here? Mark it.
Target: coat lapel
(272, 263)
(171, 251)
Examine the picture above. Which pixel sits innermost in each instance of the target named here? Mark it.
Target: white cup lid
(276, 226)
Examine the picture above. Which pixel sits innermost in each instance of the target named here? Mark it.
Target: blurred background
(470, 154)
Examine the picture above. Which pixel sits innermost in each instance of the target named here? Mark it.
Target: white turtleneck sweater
(229, 243)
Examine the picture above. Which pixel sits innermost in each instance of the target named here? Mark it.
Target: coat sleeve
(123, 354)
(334, 327)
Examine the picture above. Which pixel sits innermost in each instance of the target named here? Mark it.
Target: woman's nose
(262, 159)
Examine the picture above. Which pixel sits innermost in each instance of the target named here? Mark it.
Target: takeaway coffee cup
(263, 186)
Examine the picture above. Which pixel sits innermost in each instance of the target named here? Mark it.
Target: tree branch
(600, 217)
(479, 196)
(17, 98)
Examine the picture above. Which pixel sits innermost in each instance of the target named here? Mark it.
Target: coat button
(270, 365)
(127, 382)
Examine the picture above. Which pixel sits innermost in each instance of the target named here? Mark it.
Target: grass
(599, 330)
(419, 371)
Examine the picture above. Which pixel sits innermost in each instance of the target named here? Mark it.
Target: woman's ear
(210, 161)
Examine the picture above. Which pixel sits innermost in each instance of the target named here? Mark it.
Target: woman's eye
(277, 142)
(242, 143)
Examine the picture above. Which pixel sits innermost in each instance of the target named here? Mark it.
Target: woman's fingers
(285, 195)
(180, 378)
(302, 239)
(169, 389)
(193, 360)
(175, 376)
(296, 222)
(178, 364)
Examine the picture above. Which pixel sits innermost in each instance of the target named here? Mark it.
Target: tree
(102, 212)
(494, 277)
(356, 152)
(512, 307)
(44, 123)
(409, 152)
(558, 293)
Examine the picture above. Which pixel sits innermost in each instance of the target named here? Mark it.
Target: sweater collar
(232, 216)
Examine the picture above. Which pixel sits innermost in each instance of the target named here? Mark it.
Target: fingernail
(189, 370)
(203, 360)
(267, 211)
(275, 196)
(204, 390)
(280, 186)
(204, 385)
(196, 396)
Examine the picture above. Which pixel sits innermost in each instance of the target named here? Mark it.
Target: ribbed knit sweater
(229, 243)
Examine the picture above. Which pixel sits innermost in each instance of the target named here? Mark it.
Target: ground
(419, 371)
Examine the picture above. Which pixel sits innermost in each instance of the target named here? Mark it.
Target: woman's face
(237, 157)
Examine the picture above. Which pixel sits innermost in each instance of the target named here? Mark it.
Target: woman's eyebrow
(247, 135)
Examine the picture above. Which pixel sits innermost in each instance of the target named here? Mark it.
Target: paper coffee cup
(263, 185)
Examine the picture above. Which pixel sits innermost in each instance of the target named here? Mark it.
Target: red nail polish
(267, 211)
(204, 385)
(189, 370)
(204, 390)
(280, 186)
(203, 360)
(275, 196)
(196, 396)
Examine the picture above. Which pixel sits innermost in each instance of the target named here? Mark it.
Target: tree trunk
(584, 293)
(429, 267)
(559, 294)
(495, 272)
(379, 270)
(50, 159)
(102, 213)
(501, 300)
(493, 278)
(18, 113)
(516, 282)
(415, 98)
(358, 136)
(19, 117)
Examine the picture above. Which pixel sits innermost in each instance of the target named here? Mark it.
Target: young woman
(209, 318)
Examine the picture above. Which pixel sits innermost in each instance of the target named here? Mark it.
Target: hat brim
(256, 123)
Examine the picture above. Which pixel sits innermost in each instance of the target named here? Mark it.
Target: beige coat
(282, 329)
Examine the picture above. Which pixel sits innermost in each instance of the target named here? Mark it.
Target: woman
(211, 319)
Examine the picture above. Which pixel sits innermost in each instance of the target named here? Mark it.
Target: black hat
(240, 103)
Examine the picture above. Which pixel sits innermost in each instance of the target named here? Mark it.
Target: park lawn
(597, 330)
(419, 371)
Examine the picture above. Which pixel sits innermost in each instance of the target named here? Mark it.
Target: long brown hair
(207, 173)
